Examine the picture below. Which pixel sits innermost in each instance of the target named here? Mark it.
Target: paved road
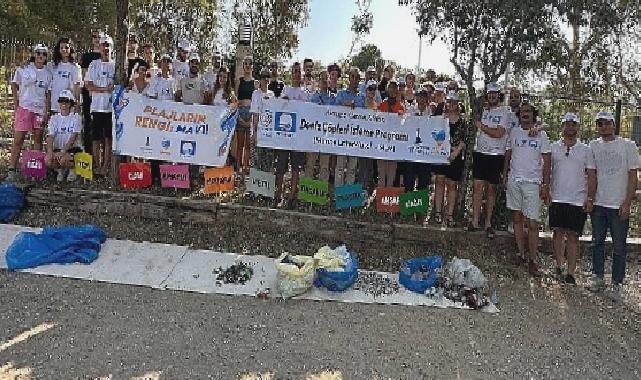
(127, 331)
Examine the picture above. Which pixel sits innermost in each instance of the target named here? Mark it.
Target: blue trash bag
(11, 202)
(412, 266)
(55, 245)
(338, 281)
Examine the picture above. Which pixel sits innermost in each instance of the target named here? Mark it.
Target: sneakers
(569, 279)
(615, 294)
(533, 269)
(61, 175)
(597, 284)
(72, 175)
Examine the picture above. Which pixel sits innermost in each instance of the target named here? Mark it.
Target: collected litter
(420, 273)
(238, 273)
(463, 272)
(376, 284)
(55, 245)
(295, 274)
(337, 269)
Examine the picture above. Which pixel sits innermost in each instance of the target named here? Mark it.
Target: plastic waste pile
(238, 273)
(295, 274)
(337, 269)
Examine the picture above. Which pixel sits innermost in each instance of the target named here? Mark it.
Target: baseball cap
(165, 57)
(401, 81)
(194, 57)
(217, 54)
(40, 48)
(371, 83)
(492, 87)
(439, 87)
(570, 117)
(423, 93)
(67, 94)
(184, 45)
(106, 39)
(371, 68)
(265, 73)
(604, 115)
(452, 95)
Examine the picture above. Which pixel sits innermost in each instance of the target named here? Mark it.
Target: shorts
(71, 151)
(286, 157)
(27, 120)
(101, 126)
(487, 167)
(453, 171)
(524, 197)
(244, 113)
(568, 217)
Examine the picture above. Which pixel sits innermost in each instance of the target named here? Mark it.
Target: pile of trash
(239, 273)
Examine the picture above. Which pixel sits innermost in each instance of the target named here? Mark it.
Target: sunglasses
(248, 63)
(64, 100)
(371, 88)
(41, 53)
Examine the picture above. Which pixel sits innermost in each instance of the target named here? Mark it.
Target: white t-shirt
(612, 161)
(493, 118)
(258, 100)
(62, 128)
(218, 98)
(162, 88)
(33, 84)
(180, 69)
(65, 76)
(526, 164)
(569, 181)
(210, 78)
(102, 74)
(193, 90)
(295, 93)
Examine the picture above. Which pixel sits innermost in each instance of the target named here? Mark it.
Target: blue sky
(327, 36)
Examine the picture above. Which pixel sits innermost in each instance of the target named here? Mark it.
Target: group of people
(511, 146)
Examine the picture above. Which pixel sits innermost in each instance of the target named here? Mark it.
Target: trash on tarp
(11, 202)
(337, 269)
(463, 272)
(295, 274)
(238, 273)
(55, 245)
(420, 273)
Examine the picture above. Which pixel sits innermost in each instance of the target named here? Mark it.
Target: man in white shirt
(192, 89)
(616, 161)
(261, 158)
(163, 86)
(181, 65)
(488, 158)
(527, 169)
(99, 80)
(570, 162)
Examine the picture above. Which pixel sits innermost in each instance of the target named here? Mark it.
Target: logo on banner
(165, 146)
(219, 180)
(33, 164)
(175, 176)
(83, 163)
(285, 123)
(187, 149)
(135, 175)
(261, 183)
(349, 196)
(414, 202)
(388, 199)
(313, 191)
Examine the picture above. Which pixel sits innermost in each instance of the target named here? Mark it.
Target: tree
(370, 55)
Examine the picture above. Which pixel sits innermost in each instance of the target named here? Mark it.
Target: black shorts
(487, 167)
(567, 216)
(101, 126)
(453, 171)
(286, 157)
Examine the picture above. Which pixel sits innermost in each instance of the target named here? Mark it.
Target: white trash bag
(463, 272)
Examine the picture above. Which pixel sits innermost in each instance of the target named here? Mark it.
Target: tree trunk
(470, 139)
(120, 45)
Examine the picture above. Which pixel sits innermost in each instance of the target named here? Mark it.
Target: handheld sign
(313, 191)
(83, 163)
(219, 180)
(176, 176)
(349, 196)
(414, 202)
(33, 164)
(261, 183)
(135, 175)
(388, 199)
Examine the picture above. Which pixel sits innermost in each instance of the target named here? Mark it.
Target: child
(64, 129)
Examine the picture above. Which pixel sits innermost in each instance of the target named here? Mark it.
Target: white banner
(308, 127)
(261, 183)
(172, 131)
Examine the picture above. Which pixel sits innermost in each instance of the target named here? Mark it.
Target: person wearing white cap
(31, 90)
(616, 162)
(62, 140)
(99, 80)
(346, 166)
(439, 99)
(163, 85)
(192, 89)
(370, 75)
(569, 192)
(321, 97)
(261, 158)
(526, 174)
(365, 172)
(180, 65)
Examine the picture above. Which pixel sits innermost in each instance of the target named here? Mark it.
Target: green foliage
(370, 55)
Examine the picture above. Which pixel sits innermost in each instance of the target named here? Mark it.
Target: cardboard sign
(83, 163)
(33, 164)
(388, 199)
(349, 196)
(415, 202)
(175, 176)
(135, 175)
(261, 183)
(313, 191)
(219, 180)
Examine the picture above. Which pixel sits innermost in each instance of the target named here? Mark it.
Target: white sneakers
(597, 284)
(61, 175)
(70, 177)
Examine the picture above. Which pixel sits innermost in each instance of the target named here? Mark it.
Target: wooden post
(120, 44)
